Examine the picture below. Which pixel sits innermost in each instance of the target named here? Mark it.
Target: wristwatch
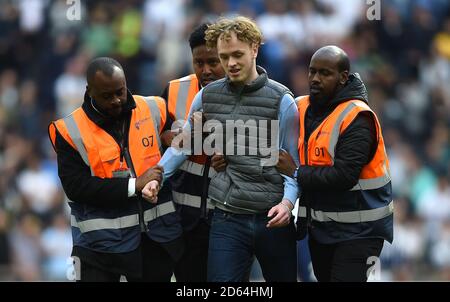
(295, 173)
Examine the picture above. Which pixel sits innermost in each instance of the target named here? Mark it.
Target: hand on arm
(152, 174)
(286, 164)
(150, 191)
(281, 214)
(218, 162)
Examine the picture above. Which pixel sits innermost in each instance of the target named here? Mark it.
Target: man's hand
(154, 173)
(281, 214)
(168, 135)
(150, 191)
(286, 164)
(218, 162)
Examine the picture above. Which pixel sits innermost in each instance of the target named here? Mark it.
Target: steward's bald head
(328, 73)
(333, 54)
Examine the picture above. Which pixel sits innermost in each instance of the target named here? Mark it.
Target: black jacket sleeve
(80, 186)
(354, 149)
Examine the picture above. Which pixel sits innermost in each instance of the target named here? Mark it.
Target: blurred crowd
(404, 59)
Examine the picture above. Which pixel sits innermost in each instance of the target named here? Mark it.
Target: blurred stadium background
(404, 58)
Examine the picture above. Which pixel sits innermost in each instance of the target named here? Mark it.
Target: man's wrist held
(286, 206)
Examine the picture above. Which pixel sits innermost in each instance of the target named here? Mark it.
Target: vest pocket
(165, 228)
(109, 158)
(103, 239)
(98, 228)
(170, 219)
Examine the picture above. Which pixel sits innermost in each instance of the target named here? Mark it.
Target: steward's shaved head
(334, 53)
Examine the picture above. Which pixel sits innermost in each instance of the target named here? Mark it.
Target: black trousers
(347, 261)
(157, 266)
(192, 267)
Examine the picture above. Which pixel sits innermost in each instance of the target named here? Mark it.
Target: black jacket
(354, 149)
(80, 186)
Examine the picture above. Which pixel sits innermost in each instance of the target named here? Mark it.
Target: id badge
(122, 173)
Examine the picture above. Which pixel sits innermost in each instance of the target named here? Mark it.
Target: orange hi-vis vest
(187, 189)
(370, 199)
(100, 151)
(181, 94)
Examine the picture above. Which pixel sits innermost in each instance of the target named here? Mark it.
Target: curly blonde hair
(245, 29)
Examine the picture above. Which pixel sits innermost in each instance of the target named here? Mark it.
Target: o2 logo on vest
(147, 141)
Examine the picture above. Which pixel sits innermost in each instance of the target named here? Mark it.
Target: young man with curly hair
(253, 202)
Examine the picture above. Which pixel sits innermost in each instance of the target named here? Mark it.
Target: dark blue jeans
(235, 240)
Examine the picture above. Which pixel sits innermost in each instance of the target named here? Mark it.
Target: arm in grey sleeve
(173, 158)
(289, 133)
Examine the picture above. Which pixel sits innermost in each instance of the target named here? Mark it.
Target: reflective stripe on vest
(363, 184)
(75, 135)
(122, 222)
(158, 211)
(350, 217)
(372, 183)
(334, 136)
(180, 96)
(196, 169)
(186, 199)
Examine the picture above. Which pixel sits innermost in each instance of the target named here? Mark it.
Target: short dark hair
(104, 64)
(197, 37)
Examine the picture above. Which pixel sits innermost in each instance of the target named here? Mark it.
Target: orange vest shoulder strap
(162, 111)
(302, 104)
(62, 128)
(358, 106)
(302, 100)
(68, 127)
(52, 134)
(180, 96)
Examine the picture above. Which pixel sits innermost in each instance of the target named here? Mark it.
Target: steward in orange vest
(107, 151)
(364, 210)
(346, 202)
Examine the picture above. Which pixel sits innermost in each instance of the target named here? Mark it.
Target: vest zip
(129, 162)
(233, 118)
